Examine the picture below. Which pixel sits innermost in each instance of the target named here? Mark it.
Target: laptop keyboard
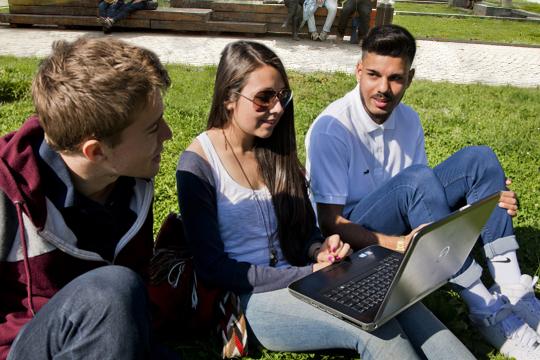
(363, 293)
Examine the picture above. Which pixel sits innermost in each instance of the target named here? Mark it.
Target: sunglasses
(267, 99)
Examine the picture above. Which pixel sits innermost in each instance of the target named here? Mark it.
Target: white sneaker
(524, 302)
(314, 36)
(323, 36)
(508, 333)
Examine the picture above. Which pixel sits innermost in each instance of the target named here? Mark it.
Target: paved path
(438, 61)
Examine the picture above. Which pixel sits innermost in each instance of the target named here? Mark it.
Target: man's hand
(509, 200)
(399, 243)
(332, 250)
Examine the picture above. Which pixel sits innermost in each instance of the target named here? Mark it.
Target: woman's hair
(276, 155)
(92, 87)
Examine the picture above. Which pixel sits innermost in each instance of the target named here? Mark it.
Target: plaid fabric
(233, 327)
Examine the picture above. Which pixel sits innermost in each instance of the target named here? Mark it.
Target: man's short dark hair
(390, 40)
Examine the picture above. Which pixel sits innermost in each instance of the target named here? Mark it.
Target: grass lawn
(475, 29)
(446, 9)
(454, 116)
(430, 8)
(523, 5)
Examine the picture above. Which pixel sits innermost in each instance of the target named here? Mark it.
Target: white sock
(505, 269)
(479, 299)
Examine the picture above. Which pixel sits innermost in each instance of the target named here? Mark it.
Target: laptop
(375, 284)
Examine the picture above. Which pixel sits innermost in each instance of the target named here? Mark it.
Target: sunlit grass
(429, 8)
(471, 29)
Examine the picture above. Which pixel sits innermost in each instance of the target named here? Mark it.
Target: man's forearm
(358, 236)
(332, 222)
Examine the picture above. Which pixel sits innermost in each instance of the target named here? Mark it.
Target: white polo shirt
(349, 155)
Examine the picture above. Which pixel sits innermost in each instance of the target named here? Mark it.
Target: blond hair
(91, 87)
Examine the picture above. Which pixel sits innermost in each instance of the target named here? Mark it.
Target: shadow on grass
(207, 347)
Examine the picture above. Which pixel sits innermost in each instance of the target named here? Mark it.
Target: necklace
(271, 249)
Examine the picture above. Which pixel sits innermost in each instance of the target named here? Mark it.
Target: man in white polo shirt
(371, 185)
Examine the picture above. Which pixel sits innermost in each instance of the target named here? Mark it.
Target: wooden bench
(273, 15)
(84, 13)
(183, 15)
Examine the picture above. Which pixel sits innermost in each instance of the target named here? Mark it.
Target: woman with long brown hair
(250, 224)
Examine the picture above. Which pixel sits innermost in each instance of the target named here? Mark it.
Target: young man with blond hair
(76, 196)
(371, 185)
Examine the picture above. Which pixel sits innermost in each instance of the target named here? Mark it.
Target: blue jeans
(419, 195)
(102, 314)
(331, 6)
(120, 10)
(281, 322)
(363, 8)
(104, 8)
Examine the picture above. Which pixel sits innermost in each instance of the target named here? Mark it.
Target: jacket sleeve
(313, 245)
(198, 206)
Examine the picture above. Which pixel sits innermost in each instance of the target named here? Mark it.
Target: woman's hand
(332, 250)
(509, 200)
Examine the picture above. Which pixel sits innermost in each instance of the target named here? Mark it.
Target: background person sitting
(112, 11)
(294, 16)
(363, 9)
(310, 7)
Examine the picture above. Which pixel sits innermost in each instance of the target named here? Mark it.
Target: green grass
(475, 29)
(453, 116)
(429, 8)
(523, 5)
(528, 7)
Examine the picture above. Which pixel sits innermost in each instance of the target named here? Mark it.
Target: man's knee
(478, 152)
(364, 10)
(113, 286)
(331, 6)
(482, 158)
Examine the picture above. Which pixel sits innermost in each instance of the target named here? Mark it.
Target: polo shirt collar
(366, 122)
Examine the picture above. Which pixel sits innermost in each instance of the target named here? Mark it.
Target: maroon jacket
(38, 252)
